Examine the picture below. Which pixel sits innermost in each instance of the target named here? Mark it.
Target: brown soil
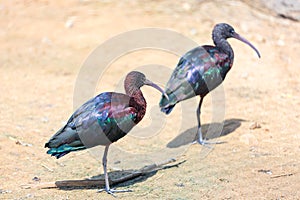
(44, 43)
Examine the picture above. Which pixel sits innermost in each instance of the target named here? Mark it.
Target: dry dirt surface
(43, 46)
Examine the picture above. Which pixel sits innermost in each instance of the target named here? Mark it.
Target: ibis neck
(133, 91)
(222, 44)
(138, 101)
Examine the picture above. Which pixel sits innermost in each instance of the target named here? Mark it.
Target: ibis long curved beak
(150, 83)
(238, 37)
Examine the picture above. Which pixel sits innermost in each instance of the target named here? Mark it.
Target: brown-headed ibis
(201, 70)
(103, 120)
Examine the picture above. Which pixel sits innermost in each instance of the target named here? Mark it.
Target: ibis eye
(231, 31)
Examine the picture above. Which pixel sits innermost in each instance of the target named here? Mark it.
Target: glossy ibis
(103, 120)
(201, 70)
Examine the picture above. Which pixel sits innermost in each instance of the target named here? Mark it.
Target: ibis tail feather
(165, 105)
(63, 150)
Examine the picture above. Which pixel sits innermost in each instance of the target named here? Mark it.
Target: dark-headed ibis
(201, 70)
(103, 120)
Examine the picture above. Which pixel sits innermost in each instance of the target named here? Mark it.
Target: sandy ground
(43, 46)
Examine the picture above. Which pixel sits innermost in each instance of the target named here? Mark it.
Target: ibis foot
(206, 143)
(113, 191)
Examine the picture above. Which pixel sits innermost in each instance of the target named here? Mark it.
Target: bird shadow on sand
(209, 131)
(118, 178)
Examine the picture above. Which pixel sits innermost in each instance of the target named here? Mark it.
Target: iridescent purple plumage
(103, 120)
(201, 70)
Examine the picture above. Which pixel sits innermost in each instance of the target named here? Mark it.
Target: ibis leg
(200, 139)
(107, 187)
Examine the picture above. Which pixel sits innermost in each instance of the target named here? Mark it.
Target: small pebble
(70, 22)
(266, 171)
(4, 191)
(254, 125)
(23, 143)
(117, 162)
(224, 180)
(36, 178)
(179, 184)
